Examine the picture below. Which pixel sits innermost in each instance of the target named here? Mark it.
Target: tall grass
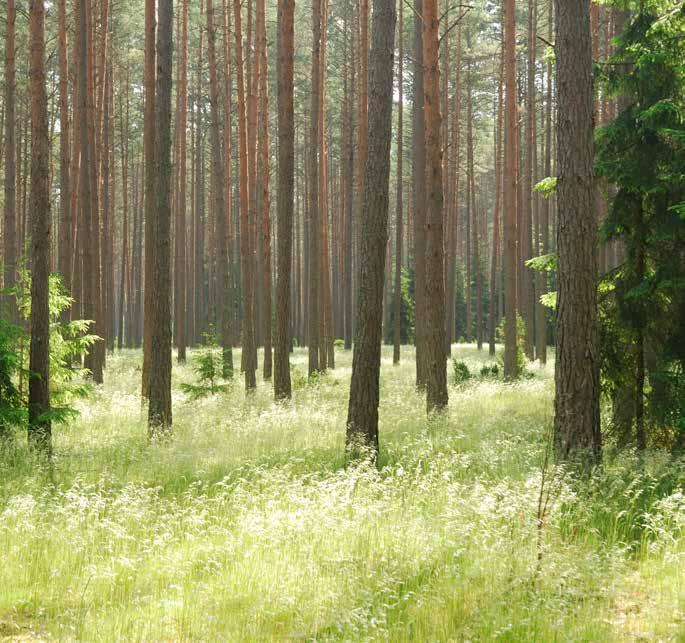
(248, 525)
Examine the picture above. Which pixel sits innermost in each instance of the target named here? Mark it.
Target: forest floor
(247, 525)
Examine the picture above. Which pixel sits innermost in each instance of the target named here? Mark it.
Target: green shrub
(460, 372)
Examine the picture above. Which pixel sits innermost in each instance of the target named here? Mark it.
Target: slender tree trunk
(576, 421)
(224, 277)
(149, 190)
(419, 197)
(436, 376)
(159, 411)
(286, 174)
(314, 236)
(180, 236)
(510, 181)
(399, 225)
(10, 201)
(246, 272)
(264, 201)
(495, 274)
(453, 205)
(65, 247)
(362, 414)
(39, 432)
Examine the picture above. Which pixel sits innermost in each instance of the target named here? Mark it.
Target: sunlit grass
(248, 525)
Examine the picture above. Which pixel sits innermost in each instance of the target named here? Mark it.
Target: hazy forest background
(358, 320)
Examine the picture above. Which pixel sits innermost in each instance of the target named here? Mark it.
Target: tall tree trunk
(65, 239)
(362, 414)
(453, 206)
(180, 236)
(510, 181)
(436, 376)
(286, 175)
(149, 189)
(495, 274)
(39, 432)
(224, 277)
(314, 223)
(10, 187)
(576, 421)
(399, 224)
(351, 201)
(528, 285)
(159, 411)
(246, 272)
(263, 186)
(419, 197)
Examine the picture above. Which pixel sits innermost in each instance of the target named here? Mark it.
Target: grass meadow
(248, 524)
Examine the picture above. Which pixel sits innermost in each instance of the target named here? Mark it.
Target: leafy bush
(460, 372)
(491, 370)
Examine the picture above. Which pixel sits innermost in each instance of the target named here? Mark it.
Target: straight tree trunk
(576, 422)
(246, 272)
(264, 201)
(224, 277)
(39, 431)
(65, 239)
(495, 274)
(510, 181)
(159, 410)
(436, 375)
(362, 414)
(10, 201)
(419, 196)
(314, 223)
(180, 236)
(149, 190)
(286, 175)
(399, 229)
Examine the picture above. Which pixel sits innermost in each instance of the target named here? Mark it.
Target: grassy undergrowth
(247, 525)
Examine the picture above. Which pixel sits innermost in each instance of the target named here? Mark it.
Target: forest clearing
(356, 320)
(249, 526)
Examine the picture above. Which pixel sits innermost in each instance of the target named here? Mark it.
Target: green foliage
(209, 370)
(547, 187)
(69, 340)
(491, 370)
(460, 372)
(12, 407)
(642, 154)
(544, 263)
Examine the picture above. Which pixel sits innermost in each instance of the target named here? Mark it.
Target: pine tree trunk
(159, 410)
(286, 175)
(149, 189)
(510, 201)
(436, 376)
(419, 197)
(263, 187)
(10, 186)
(246, 273)
(314, 235)
(64, 247)
(362, 415)
(399, 229)
(180, 236)
(224, 278)
(39, 432)
(576, 422)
